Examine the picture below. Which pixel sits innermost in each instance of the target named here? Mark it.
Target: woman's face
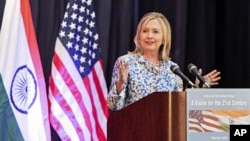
(151, 36)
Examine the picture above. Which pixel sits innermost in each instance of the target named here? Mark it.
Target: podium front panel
(160, 116)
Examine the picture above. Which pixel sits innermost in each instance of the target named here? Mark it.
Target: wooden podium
(160, 116)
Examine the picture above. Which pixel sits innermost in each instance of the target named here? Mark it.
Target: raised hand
(123, 75)
(211, 78)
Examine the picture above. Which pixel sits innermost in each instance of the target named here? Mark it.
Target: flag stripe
(57, 124)
(32, 42)
(90, 89)
(62, 117)
(75, 93)
(101, 90)
(204, 121)
(8, 121)
(195, 126)
(66, 108)
(34, 53)
(101, 104)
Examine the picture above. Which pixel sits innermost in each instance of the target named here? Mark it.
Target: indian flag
(23, 97)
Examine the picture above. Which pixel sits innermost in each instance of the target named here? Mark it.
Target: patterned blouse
(143, 78)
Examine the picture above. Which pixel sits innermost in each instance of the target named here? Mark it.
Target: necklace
(154, 63)
(157, 64)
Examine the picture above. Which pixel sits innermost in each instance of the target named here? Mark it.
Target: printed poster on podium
(210, 112)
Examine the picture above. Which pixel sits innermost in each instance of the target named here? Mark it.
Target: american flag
(206, 121)
(77, 90)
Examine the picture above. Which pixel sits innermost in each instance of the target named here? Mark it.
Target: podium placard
(210, 112)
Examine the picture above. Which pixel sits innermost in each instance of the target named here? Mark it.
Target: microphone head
(191, 67)
(194, 70)
(174, 68)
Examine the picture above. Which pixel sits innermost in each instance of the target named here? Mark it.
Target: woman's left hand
(211, 78)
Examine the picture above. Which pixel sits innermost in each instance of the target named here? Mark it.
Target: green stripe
(9, 130)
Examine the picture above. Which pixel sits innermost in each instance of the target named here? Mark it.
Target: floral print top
(143, 79)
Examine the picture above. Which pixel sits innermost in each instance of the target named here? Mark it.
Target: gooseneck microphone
(176, 70)
(193, 69)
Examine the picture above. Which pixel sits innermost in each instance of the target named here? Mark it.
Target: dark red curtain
(209, 33)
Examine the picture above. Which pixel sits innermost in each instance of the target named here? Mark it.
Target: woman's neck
(152, 58)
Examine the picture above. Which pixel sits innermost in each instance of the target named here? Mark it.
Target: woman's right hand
(123, 75)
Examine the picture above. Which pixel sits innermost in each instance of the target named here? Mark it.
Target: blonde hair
(165, 47)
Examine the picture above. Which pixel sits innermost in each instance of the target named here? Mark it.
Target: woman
(147, 68)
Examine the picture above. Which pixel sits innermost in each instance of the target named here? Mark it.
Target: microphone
(176, 70)
(193, 69)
